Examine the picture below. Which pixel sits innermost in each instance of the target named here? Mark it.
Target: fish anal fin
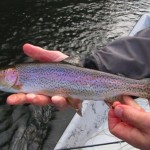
(148, 101)
(75, 104)
(110, 101)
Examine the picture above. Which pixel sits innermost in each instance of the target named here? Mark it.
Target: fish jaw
(8, 80)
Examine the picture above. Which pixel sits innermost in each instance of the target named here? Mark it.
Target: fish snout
(8, 77)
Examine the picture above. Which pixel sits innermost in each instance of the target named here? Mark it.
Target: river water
(74, 27)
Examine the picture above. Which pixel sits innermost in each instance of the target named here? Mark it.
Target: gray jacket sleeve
(129, 56)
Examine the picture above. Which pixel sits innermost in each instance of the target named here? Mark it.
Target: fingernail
(12, 101)
(118, 111)
(115, 104)
(61, 58)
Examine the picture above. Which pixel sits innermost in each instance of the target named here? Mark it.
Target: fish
(71, 82)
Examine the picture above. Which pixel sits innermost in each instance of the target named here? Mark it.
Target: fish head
(8, 78)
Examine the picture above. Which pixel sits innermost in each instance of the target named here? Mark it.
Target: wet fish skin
(70, 81)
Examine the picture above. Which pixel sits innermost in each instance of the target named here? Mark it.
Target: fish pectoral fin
(75, 104)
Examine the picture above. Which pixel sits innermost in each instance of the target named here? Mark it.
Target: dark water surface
(71, 26)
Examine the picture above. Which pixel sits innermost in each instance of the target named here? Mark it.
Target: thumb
(43, 55)
(132, 116)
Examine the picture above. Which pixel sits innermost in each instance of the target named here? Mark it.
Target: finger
(132, 116)
(115, 104)
(16, 99)
(43, 55)
(112, 119)
(59, 102)
(38, 99)
(129, 101)
(124, 131)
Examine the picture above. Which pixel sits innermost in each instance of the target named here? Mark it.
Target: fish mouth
(9, 78)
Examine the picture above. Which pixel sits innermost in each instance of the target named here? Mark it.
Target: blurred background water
(74, 27)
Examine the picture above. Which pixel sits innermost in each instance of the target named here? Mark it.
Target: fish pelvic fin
(75, 104)
(79, 112)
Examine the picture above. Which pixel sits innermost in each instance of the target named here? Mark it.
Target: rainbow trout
(70, 81)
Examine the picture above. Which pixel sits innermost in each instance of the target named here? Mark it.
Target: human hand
(42, 55)
(130, 123)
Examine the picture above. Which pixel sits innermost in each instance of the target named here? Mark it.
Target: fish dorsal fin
(73, 60)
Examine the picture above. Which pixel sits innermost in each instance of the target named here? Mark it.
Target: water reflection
(74, 27)
(70, 26)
